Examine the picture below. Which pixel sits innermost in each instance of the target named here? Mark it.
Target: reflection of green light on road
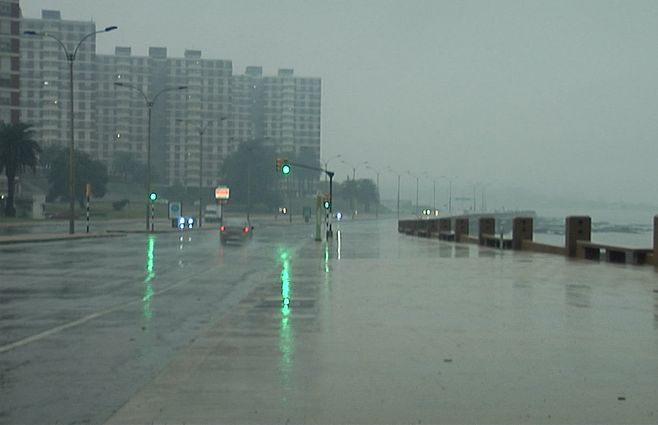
(326, 257)
(286, 340)
(285, 276)
(150, 275)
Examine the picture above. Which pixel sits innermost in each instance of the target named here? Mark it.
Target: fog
(556, 98)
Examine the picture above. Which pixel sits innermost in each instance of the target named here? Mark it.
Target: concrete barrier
(612, 254)
(543, 248)
(486, 226)
(461, 228)
(577, 228)
(522, 230)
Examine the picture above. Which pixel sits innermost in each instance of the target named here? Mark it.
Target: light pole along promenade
(149, 104)
(70, 57)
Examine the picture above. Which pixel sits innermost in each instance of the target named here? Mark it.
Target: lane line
(78, 322)
(86, 319)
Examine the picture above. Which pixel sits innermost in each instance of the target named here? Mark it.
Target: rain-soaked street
(373, 327)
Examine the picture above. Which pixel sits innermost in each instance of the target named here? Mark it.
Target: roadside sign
(175, 210)
(222, 193)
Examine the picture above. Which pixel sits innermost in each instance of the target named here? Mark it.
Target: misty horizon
(555, 98)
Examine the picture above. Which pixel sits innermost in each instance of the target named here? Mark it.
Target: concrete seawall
(577, 237)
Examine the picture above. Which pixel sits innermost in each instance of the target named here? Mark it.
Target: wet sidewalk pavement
(385, 328)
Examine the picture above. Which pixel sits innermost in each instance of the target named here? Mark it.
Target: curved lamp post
(417, 184)
(378, 171)
(149, 105)
(354, 166)
(70, 57)
(397, 174)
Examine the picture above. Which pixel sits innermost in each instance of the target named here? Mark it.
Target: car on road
(233, 229)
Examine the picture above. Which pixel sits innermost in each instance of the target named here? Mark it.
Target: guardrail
(577, 239)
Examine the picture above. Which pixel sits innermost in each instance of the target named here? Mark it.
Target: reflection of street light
(377, 171)
(70, 57)
(149, 105)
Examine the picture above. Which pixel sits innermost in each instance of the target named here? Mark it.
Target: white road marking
(85, 319)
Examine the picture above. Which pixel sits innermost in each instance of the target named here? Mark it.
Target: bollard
(487, 226)
(577, 228)
(522, 230)
(461, 228)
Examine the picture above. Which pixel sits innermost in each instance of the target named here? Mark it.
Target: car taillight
(245, 229)
(222, 228)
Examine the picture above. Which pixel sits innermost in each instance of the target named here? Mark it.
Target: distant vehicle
(211, 214)
(235, 230)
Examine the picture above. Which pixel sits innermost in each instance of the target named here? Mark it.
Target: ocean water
(641, 217)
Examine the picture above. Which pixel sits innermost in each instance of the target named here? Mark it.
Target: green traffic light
(153, 196)
(285, 169)
(326, 205)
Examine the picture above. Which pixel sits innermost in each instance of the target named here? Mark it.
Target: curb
(55, 237)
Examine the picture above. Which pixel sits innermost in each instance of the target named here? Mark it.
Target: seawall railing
(577, 238)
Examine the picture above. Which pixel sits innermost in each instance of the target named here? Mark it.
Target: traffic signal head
(326, 205)
(153, 196)
(285, 169)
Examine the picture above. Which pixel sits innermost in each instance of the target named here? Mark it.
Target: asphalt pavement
(371, 327)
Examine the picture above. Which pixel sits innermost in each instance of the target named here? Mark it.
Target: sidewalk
(53, 237)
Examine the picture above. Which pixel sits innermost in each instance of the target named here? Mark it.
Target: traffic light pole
(330, 233)
(330, 174)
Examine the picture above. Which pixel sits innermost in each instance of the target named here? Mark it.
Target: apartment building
(44, 83)
(10, 14)
(217, 109)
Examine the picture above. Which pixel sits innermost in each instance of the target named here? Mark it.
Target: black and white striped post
(88, 195)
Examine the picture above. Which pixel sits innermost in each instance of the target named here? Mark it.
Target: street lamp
(201, 129)
(70, 57)
(398, 174)
(417, 184)
(377, 171)
(326, 163)
(149, 105)
(434, 190)
(354, 166)
(450, 179)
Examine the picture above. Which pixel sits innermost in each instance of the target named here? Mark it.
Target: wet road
(381, 328)
(83, 324)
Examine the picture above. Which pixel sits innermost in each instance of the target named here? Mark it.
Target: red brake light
(245, 229)
(222, 228)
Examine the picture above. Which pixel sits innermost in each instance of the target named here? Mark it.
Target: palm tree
(18, 150)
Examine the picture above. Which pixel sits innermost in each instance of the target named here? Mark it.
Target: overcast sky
(556, 96)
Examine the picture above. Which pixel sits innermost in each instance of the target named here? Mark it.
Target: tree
(366, 191)
(18, 150)
(87, 170)
(127, 168)
(48, 155)
(250, 171)
(360, 191)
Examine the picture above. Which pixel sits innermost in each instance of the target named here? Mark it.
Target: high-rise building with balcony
(45, 86)
(10, 14)
(217, 109)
